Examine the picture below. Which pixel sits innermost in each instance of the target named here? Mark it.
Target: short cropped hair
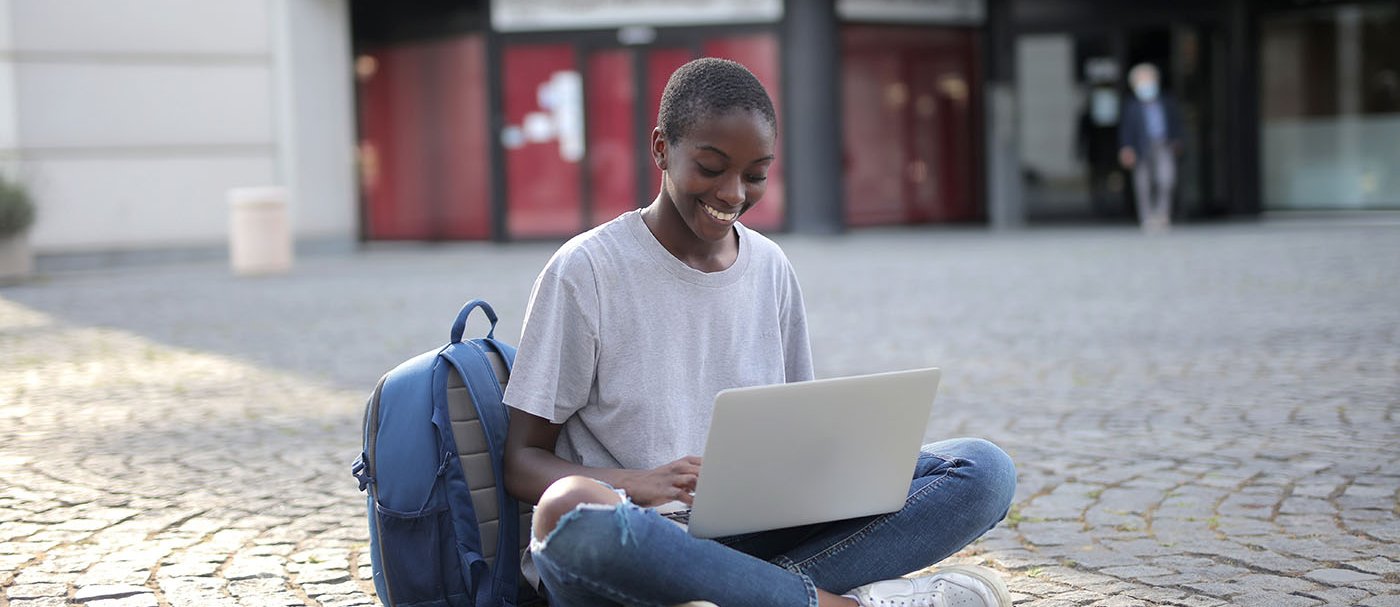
(709, 87)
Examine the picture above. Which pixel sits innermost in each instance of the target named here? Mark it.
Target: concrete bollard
(260, 231)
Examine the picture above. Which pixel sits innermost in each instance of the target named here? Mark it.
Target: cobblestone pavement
(1201, 419)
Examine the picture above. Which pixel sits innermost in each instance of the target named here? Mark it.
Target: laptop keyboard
(679, 516)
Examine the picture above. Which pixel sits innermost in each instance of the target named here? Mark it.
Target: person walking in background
(1149, 141)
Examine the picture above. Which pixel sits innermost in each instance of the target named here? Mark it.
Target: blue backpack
(443, 532)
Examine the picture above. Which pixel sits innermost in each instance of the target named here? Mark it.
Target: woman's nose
(731, 191)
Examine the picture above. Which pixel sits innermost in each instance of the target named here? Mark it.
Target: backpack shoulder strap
(470, 360)
(458, 492)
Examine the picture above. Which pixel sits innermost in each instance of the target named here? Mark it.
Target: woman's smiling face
(716, 171)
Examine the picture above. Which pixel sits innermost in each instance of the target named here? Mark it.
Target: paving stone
(1378, 565)
(1198, 601)
(1156, 595)
(1217, 589)
(1099, 558)
(316, 590)
(1378, 587)
(136, 600)
(35, 591)
(1137, 571)
(1339, 577)
(1119, 601)
(101, 592)
(244, 567)
(1303, 505)
(195, 591)
(1277, 563)
(188, 569)
(1340, 596)
(43, 602)
(1273, 599)
(345, 600)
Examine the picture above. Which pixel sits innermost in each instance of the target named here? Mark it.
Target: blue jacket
(1132, 129)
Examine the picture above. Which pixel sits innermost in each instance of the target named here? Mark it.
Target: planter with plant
(16, 215)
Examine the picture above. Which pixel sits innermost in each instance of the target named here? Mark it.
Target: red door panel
(543, 197)
(759, 53)
(424, 153)
(612, 141)
(923, 170)
(465, 201)
(391, 154)
(960, 112)
(910, 111)
(874, 97)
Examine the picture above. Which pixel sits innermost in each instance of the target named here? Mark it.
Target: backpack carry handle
(461, 323)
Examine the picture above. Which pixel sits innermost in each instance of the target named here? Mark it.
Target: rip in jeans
(620, 511)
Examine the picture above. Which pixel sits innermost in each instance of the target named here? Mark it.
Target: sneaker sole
(988, 576)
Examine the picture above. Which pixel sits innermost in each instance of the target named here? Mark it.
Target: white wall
(316, 114)
(130, 119)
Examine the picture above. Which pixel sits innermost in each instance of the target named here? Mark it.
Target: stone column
(811, 125)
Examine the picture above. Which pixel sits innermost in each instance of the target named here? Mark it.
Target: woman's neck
(670, 229)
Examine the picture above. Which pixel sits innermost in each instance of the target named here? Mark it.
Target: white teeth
(718, 215)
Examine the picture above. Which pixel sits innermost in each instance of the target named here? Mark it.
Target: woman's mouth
(718, 214)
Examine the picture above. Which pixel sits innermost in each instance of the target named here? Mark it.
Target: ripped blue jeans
(628, 555)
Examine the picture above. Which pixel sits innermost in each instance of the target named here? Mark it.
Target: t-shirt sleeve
(797, 348)
(557, 359)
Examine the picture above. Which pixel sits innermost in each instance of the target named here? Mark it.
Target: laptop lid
(810, 452)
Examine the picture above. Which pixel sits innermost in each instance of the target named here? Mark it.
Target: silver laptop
(810, 452)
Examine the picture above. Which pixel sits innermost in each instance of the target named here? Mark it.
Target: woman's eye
(708, 172)
(758, 178)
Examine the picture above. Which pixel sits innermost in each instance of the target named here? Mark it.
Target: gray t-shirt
(626, 346)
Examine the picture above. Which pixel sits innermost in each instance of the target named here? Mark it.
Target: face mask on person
(1146, 91)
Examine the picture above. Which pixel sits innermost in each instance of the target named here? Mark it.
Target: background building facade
(521, 119)
(128, 121)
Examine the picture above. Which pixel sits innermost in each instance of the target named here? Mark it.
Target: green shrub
(16, 210)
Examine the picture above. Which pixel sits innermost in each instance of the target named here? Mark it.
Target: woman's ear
(658, 148)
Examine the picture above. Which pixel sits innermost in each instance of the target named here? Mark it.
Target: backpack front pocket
(419, 557)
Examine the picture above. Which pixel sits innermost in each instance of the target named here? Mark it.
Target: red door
(424, 158)
(543, 117)
(910, 108)
(613, 142)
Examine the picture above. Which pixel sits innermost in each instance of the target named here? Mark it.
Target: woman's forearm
(531, 470)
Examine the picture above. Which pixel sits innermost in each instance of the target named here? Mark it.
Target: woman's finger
(684, 497)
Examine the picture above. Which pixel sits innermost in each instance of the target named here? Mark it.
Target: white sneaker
(957, 586)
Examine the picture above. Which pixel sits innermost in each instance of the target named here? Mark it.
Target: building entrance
(1072, 89)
